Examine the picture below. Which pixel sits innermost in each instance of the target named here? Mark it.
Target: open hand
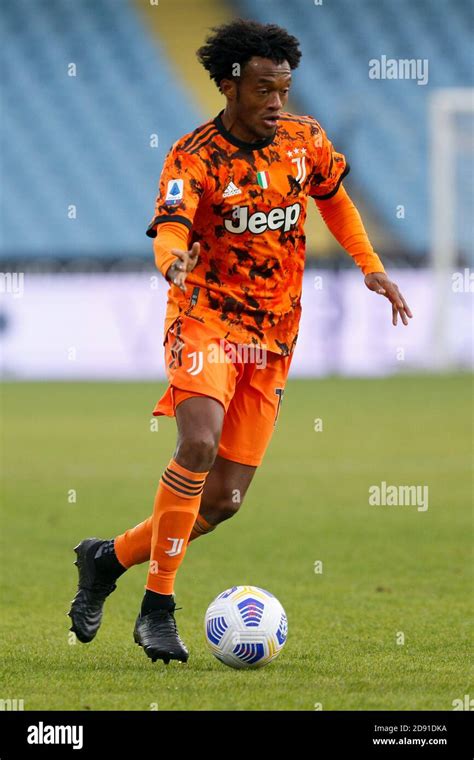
(186, 261)
(380, 283)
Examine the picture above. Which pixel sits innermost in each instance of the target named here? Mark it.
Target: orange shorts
(247, 380)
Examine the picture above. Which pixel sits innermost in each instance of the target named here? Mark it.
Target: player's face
(255, 103)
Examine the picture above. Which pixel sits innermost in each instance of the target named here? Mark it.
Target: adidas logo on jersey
(260, 221)
(230, 190)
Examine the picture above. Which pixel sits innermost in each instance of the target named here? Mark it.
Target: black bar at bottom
(326, 734)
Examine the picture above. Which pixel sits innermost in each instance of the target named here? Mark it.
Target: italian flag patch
(263, 179)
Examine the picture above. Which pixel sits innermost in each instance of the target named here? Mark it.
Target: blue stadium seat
(83, 140)
(382, 126)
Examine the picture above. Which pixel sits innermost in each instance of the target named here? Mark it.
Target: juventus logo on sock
(176, 548)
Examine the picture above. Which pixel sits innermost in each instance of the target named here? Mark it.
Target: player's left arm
(344, 221)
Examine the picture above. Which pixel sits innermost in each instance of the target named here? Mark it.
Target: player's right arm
(182, 184)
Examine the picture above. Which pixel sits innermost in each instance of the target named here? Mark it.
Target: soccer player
(228, 233)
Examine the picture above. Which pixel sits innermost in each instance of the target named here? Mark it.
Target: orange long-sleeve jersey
(245, 203)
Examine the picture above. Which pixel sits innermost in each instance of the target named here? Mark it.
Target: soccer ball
(245, 627)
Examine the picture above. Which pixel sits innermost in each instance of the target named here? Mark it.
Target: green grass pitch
(386, 570)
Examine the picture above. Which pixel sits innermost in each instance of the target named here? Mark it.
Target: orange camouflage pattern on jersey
(246, 206)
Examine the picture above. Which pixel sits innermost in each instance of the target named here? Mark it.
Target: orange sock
(133, 546)
(174, 513)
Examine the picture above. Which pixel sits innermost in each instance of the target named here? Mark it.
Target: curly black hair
(240, 40)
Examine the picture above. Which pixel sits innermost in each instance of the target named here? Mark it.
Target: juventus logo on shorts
(197, 358)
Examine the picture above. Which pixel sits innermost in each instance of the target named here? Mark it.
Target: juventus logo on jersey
(301, 168)
(176, 548)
